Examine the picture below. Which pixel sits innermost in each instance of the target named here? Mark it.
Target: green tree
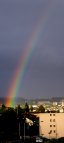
(26, 108)
(3, 108)
(8, 124)
(41, 109)
(31, 109)
(19, 110)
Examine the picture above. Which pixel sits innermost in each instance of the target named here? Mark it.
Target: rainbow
(25, 59)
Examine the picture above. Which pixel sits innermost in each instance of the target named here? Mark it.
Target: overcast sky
(45, 74)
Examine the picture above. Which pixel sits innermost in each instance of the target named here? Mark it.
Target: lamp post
(24, 130)
(19, 129)
(18, 125)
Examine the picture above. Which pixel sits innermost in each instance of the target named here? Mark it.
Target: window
(53, 125)
(54, 131)
(50, 132)
(50, 114)
(53, 120)
(50, 120)
(53, 114)
(50, 125)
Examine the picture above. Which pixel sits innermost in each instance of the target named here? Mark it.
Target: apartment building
(51, 125)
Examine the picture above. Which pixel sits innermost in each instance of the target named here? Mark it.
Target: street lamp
(24, 128)
(24, 131)
(19, 128)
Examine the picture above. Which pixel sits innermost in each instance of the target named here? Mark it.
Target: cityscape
(31, 71)
(32, 121)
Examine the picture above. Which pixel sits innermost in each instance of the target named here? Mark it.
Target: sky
(44, 77)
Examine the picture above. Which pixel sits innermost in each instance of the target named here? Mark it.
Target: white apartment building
(51, 125)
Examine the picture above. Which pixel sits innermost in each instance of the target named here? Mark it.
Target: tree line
(13, 124)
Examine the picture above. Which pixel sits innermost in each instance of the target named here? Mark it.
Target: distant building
(61, 110)
(43, 103)
(51, 125)
(34, 108)
(55, 103)
(62, 102)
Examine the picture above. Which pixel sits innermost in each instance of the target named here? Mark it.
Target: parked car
(39, 139)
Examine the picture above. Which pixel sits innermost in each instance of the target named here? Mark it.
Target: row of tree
(13, 123)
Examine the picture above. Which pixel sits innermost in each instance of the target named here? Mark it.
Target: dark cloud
(45, 73)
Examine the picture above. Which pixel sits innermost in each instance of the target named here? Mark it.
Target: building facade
(51, 125)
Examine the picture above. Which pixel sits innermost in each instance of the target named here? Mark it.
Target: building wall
(51, 125)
